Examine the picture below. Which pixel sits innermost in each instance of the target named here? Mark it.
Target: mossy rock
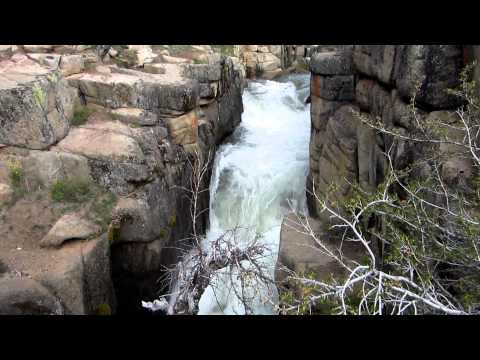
(104, 309)
(172, 221)
(163, 234)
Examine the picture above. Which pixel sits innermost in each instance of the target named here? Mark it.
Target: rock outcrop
(94, 165)
(376, 81)
(270, 61)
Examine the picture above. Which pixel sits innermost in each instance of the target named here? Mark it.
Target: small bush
(70, 191)
(16, 173)
(104, 309)
(102, 209)
(224, 49)
(80, 116)
(198, 61)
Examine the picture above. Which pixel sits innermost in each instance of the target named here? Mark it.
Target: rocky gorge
(99, 144)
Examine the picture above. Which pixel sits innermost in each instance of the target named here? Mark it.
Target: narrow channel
(259, 176)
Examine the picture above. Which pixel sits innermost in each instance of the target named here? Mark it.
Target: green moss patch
(70, 191)
(81, 115)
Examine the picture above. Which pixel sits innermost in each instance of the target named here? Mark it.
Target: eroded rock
(70, 227)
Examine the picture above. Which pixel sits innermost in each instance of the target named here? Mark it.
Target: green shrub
(224, 49)
(70, 191)
(104, 309)
(16, 173)
(80, 116)
(198, 61)
(102, 209)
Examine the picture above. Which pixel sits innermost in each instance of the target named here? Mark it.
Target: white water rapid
(258, 175)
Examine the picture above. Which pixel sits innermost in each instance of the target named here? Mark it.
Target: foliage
(104, 309)
(80, 115)
(40, 96)
(70, 191)
(16, 173)
(224, 49)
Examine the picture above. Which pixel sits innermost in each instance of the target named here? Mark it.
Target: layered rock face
(269, 61)
(378, 82)
(94, 164)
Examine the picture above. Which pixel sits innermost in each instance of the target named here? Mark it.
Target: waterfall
(259, 175)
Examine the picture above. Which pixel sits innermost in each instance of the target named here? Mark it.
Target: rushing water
(258, 176)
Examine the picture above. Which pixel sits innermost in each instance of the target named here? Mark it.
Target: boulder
(300, 253)
(115, 157)
(333, 88)
(24, 296)
(70, 227)
(72, 64)
(331, 63)
(144, 54)
(109, 141)
(79, 275)
(36, 104)
(48, 167)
